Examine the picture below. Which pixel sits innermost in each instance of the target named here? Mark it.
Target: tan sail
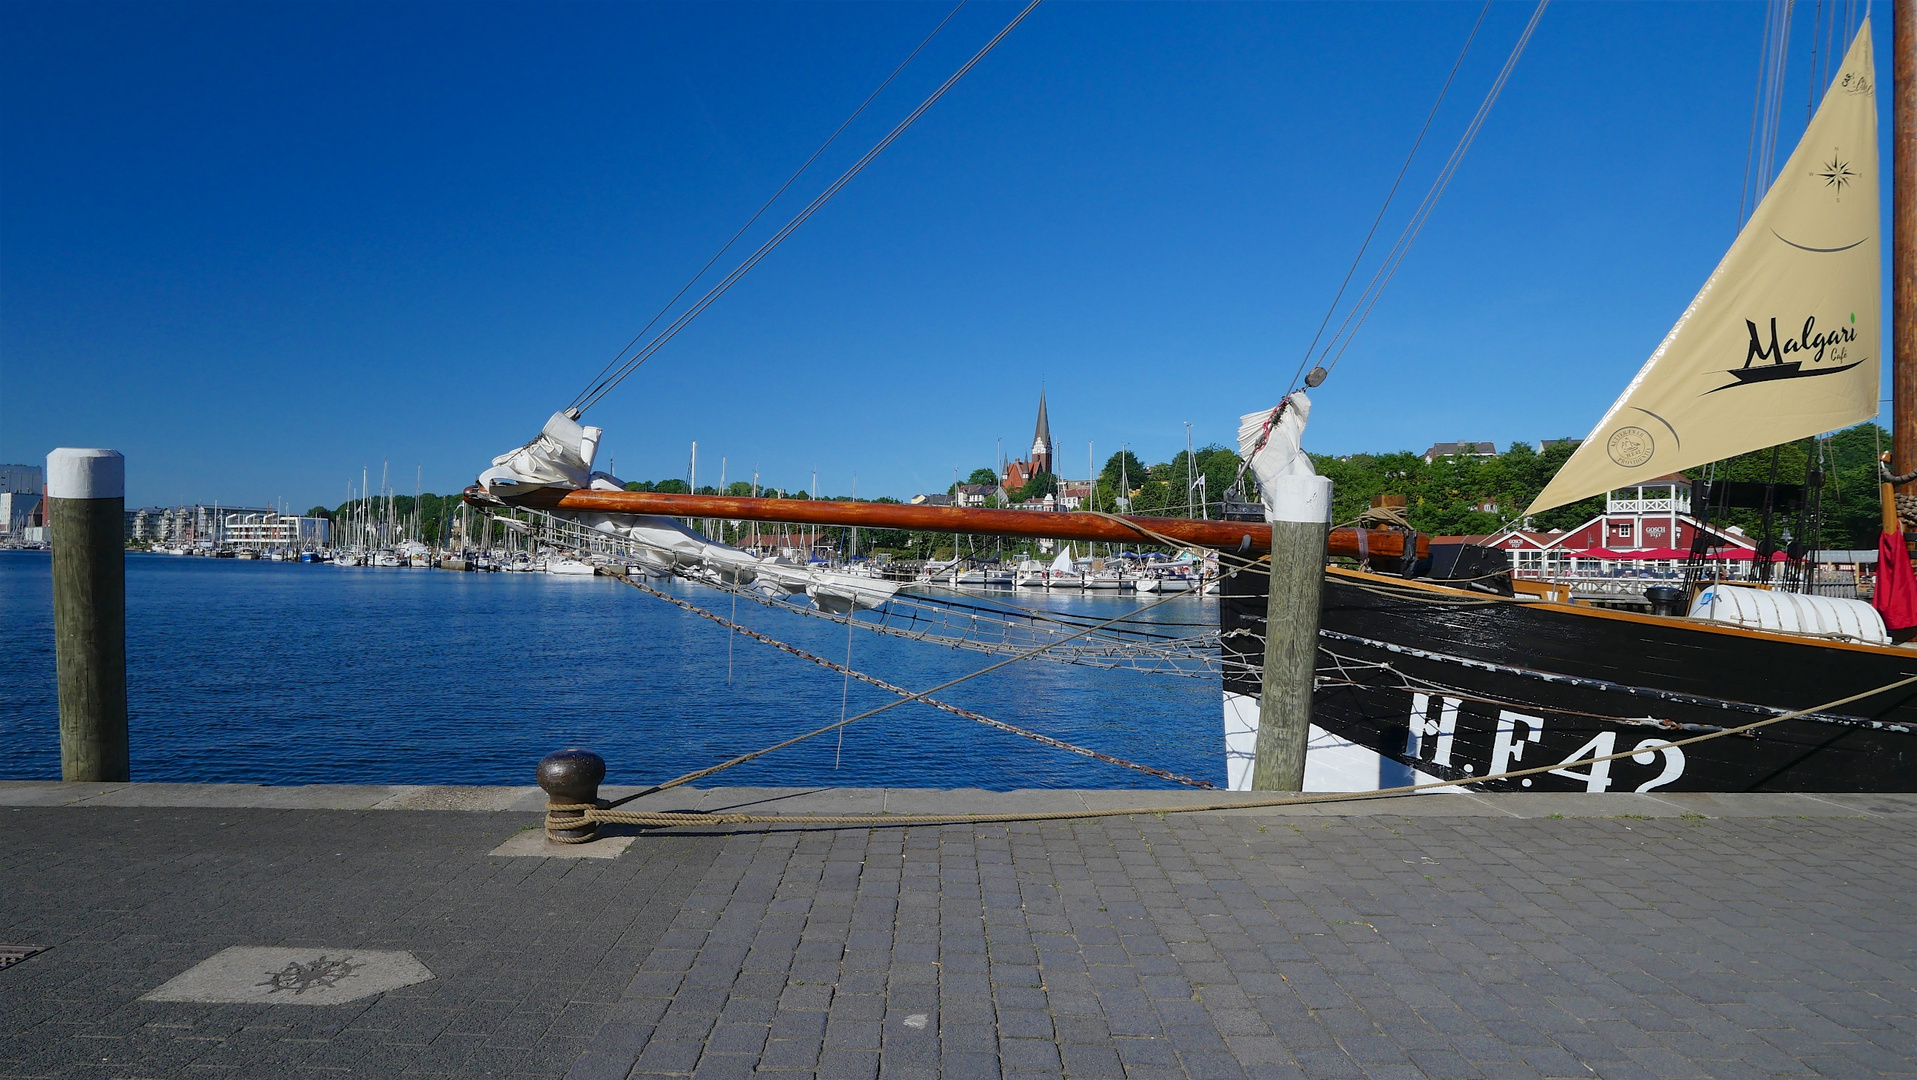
(1783, 341)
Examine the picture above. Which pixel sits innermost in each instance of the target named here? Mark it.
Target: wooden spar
(1903, 236)
(1223, 535)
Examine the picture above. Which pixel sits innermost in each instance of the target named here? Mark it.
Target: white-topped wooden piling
(86, 504)
(1300, 513)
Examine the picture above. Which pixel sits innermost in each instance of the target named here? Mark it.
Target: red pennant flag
(1896, 595)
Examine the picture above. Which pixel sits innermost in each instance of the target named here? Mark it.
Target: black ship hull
(1444, 684)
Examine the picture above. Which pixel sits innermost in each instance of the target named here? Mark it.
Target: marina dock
(1515, 935)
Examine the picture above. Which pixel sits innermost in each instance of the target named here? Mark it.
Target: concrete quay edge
(956, 801)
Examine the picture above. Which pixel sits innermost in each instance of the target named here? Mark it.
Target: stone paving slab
(313, 976)
(447, 797)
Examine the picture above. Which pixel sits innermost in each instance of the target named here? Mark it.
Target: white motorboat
(569, 567)
(842, 594)
(1164, 579)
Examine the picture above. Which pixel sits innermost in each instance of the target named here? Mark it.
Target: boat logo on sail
(1630, 446)
(1809, 346)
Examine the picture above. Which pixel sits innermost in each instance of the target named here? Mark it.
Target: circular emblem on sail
(1630, 446)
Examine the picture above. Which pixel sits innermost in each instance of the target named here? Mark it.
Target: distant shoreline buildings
(22, 488)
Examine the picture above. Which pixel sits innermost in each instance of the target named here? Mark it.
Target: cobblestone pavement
(1413, 943)
(529, 954)
(1212, 946)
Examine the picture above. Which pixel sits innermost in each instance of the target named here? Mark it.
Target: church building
(1018, 472)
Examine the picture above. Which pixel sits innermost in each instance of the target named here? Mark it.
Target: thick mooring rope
(574, 816)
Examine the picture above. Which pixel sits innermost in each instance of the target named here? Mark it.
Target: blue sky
(260, 247)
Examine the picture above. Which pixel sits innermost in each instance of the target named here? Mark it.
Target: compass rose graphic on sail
(1836, 173)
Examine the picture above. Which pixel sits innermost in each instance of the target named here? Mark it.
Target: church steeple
(1042, 439)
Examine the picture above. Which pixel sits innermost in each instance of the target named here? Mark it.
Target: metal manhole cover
(13, 954)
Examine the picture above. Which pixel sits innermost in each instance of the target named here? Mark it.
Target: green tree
(1123, 465)
(1039, 486)
(982, 476)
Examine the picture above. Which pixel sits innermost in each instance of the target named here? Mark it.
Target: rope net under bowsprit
(929, 613)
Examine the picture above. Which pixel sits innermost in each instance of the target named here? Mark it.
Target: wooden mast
(1253, 536)
(1903, 237)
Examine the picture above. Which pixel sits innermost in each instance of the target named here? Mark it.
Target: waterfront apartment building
(194, 524)
(265, 530)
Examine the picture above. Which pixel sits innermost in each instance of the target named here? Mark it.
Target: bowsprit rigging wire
(630, 358)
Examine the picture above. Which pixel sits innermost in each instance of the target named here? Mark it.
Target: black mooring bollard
(571, 777)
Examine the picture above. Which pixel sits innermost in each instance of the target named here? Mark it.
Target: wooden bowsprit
(1228, 536)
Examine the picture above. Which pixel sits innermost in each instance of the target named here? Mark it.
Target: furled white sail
(1783, 340)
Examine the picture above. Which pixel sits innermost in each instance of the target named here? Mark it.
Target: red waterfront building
(1645, 527)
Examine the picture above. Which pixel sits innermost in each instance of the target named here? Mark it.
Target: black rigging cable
(1402, 169)
(622, 369)
(830, 139)
(1361, 308)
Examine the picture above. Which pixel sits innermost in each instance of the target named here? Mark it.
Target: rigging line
(1810, 84)
(1757, 108)
(672, 330)
(845, 688)
(1777, 95)
(699, 774)
(1413, 228)
(790, 180)
(906, 695)
(1402, 169)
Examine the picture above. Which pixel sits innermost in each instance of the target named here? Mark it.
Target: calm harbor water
(282, 673)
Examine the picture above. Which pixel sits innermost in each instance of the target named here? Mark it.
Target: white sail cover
(1282, 431)
(1783, 340)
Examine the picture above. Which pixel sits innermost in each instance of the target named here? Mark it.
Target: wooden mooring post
(1301, 513)
(86, 504)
